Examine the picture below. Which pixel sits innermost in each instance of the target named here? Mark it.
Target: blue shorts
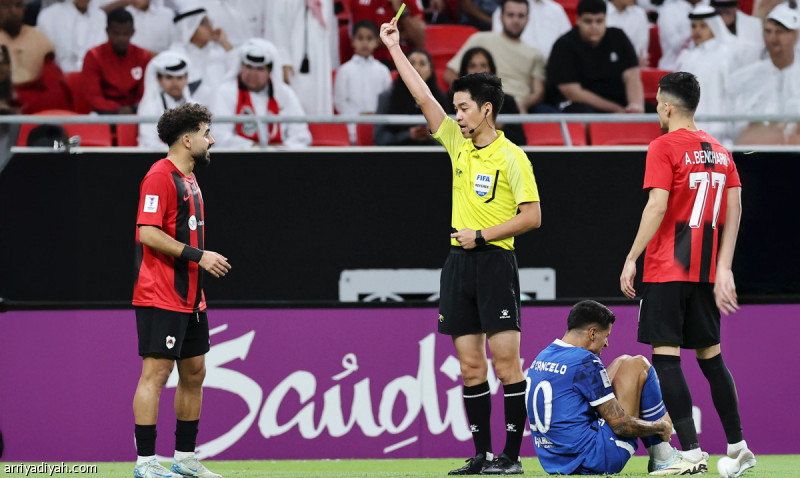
(609, 453)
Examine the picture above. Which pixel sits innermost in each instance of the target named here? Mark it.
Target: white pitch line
(403, 443)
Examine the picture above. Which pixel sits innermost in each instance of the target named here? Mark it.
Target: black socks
(677, 398)
(186, 435)
(723, 393)
(478, 403)
(516, 416)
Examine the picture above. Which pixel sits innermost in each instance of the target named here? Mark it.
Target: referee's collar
(490, 148)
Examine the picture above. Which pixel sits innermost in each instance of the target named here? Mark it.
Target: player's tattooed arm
(625, 425)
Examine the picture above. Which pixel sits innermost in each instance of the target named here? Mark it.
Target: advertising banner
(333, 383)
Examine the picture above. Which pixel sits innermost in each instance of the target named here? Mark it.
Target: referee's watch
(479, 240)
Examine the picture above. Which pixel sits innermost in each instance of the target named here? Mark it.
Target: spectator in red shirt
(113, 72)
(412, 23)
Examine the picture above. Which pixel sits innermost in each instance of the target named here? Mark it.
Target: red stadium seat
(444, 41)
(127, 135)
(612, 134)
(79, 102)
(345, 45)
(329, 134)
(654, 50)
(90, 134)
(549, 134)
(650, 78)
(364, 134)
(48, 92)
(571, 7)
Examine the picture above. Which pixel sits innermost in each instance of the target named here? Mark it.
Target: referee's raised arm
(433, 111)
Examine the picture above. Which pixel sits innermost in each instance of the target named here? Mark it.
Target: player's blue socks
(651, 405)
(478, 404)
(652, 408)
(723, 394)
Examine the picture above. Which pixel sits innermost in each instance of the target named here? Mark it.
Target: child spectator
(361, 80)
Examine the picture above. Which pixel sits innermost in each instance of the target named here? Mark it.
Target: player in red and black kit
(689, 227)
(168, 291)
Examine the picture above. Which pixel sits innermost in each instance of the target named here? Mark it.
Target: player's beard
(202, 159)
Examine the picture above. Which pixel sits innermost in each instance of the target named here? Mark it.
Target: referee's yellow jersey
(488, 183)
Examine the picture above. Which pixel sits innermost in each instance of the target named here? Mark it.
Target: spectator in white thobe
(772, 85)
(306, 33)
(73, 27)
(631, 19)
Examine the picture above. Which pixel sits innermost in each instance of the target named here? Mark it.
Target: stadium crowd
(323, 57)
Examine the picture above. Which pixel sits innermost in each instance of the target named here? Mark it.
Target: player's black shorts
(479, 291)
(679, 313)
(176, 334)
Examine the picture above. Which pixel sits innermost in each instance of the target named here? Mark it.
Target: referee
(492, 178)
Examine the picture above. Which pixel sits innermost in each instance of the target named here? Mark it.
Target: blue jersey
(565, 383)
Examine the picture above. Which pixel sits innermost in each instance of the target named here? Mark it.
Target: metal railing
(562, 119)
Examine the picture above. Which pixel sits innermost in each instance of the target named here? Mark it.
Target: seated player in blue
(585, 419)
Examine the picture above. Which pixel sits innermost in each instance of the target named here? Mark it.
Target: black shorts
(679, 313)
(479, 291)
(169, 333)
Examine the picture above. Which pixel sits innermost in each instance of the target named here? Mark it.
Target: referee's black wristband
(190, 253)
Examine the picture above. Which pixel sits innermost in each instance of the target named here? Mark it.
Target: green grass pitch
(768, 466)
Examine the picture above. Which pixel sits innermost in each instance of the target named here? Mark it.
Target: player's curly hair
(180, 120)
(589, 312)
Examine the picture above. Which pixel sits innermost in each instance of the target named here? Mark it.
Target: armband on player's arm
(190, 253)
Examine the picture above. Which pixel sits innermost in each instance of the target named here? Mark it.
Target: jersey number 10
(700, 181)
(547, 394)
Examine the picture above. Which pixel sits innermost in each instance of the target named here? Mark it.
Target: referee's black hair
(181, 120)
(590, 312)
(120, 16)
(684, 87)
(591, 6)
(483, 87)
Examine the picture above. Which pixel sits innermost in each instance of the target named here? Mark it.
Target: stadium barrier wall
(333, 383)
(292, 222)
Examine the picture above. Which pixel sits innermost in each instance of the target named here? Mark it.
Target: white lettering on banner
(417, 394)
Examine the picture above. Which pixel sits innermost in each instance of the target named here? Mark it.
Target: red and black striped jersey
(697, 171)
(173, 202)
